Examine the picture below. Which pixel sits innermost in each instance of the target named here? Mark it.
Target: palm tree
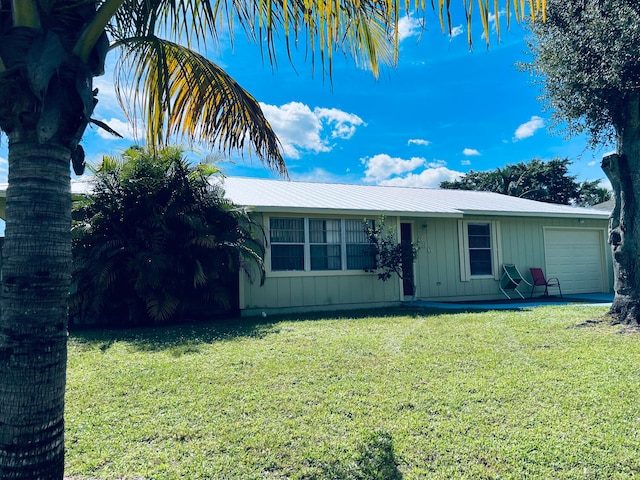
(50, 51)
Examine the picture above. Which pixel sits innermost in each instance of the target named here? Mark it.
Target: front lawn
(395, 395)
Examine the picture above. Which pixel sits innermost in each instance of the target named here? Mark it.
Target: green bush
(157, 242)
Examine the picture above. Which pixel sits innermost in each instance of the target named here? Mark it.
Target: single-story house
(314, 234)
(315, 239)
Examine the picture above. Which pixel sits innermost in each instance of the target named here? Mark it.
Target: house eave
(578, 214)
(350, 212)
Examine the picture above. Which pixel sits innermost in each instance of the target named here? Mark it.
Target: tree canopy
(544, 181)
(587, 59)
(156, 241)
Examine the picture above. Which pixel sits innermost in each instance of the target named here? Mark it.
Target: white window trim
(463, 248)
(307, 251)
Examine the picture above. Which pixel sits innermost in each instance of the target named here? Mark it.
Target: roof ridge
(333, 183)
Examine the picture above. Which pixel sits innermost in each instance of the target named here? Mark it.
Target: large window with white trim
(360, 254)
(325, 244)
(480, 254)
(480, 258)
(287, 243)
(319, 244)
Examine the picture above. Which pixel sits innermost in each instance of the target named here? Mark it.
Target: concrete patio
(599, 299)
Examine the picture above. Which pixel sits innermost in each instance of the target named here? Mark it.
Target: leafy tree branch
(390, 254)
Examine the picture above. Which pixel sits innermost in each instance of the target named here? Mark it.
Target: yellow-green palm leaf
(180, 92)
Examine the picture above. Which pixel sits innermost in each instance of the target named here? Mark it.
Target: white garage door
(576, 257)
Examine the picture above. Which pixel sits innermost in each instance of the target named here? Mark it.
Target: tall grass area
(399, 394)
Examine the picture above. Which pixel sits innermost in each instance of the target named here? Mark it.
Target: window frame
(465, 257)
(326, 242)
(307, 262)
(305, 259)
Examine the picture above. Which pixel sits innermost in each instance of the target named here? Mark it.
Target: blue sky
(443, 111)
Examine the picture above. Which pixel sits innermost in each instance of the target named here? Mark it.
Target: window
(480, 254)
(325, 244)
(360, 254)
(319, 244)
(480, 262)
(287, 244)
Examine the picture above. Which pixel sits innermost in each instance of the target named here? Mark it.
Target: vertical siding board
(346, 287)
(283, 292)
(268, 294)
(323, 293)
(297, 294)
(314, 291)
(448, 262)
(308, 285)
(437, 245)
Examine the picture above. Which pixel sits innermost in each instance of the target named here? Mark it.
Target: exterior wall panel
(437, 269)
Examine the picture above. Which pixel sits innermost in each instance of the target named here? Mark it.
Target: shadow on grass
(374, 460)
(185, 338)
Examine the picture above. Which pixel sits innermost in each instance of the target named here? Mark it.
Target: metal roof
(266, 195)
(79, 186)
(282, 196)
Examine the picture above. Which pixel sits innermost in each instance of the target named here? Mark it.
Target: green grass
(394, 395)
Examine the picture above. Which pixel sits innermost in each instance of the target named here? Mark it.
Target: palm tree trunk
(33, 321)
(623, 170)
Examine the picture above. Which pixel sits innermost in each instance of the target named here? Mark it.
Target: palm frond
(365, 29)
(161, 307)
(194, 22)
(182, 93)
(199, 275)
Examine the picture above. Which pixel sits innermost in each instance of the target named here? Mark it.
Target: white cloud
(301, 129)
(418, 141)
(493, 20)
(436, 164)
(529, 128)
(122, 127)
(456, 31)
(465, 162)
(606, 183)
(428, 178)
(470, 152)
(408, 27)
(108, 104)
(382, 167)
(344, 124)
(593, 163)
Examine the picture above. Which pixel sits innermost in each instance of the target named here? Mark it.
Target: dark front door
(407, 266)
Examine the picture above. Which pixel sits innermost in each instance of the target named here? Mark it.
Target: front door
(408, 288)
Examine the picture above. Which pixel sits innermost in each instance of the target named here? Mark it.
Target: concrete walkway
(590, 299)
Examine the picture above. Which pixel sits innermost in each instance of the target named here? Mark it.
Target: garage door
(576, 257)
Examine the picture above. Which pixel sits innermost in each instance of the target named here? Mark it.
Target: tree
(390, 255)
(587, 59)
(537, 180)
(50, 51)
(156, 241)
